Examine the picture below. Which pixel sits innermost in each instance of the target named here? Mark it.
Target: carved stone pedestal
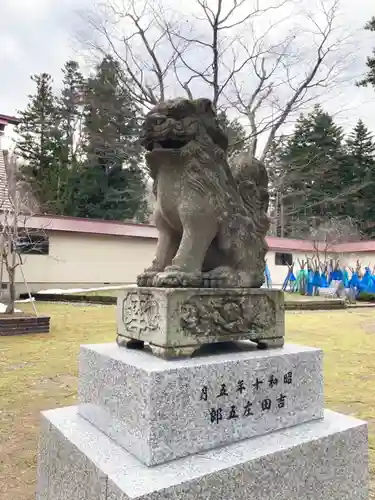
(177, 322)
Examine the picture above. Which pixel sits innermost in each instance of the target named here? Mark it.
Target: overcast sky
(39, 35)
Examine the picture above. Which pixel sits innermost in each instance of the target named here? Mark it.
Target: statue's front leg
(166, 248)
(186, 269)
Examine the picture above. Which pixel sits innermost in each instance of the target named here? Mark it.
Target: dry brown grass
(38, 372)
(348, 340)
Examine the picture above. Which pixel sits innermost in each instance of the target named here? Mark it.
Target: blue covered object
(267, 275)
(324, 281)
(289, 280)
(367, 283)
(317, 280)
(345, 278)
(336, 275)
(354, 283)
(310, 285)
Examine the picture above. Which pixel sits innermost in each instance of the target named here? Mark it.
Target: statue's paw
(221, 277)
(177, 279)
(146, 278)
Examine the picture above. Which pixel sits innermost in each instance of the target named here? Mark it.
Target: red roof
(92, 226)
(355, 247)
(134, 230)
(288, 244)
(6, 119)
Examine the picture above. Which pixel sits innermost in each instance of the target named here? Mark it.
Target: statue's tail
(252, 181)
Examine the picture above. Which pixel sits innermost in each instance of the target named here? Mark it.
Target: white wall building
(66, 252)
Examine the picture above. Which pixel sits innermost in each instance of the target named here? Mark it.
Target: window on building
(32, 244)
(283, 259)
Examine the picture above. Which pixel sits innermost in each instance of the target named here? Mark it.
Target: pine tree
(369, 79)
(360, 169)
(235, 132)
(39, 143)
(361, 145)
(70, 112)
(70, 109)
(278, 185)
(310, 166)
(111, 183)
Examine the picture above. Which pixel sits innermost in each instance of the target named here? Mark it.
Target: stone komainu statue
(212, 218)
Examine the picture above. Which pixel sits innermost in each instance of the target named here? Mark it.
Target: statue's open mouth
(166, 144)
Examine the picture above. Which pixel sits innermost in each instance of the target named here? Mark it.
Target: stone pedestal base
(321, 460)
(161, 410)
(177, 321)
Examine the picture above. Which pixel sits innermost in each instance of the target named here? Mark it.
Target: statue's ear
(204, 105)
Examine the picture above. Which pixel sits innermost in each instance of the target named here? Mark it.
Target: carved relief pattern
(225, 315)
(140, 313)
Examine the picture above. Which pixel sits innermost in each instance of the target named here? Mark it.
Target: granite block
(63, 471)
(319, 460)
(160, 410)
(43, 466)
(176, 321)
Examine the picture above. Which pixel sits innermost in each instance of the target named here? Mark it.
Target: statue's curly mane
(240, 187)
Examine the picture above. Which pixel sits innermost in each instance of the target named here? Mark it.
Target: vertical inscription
(225, 409)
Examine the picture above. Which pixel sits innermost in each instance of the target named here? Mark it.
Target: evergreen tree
(38, 143)
(370, 76)
(235, 132)
(360, 169)
(310, 167)
(70, 110)
(111, 183)
(361, 146)
(277, 186)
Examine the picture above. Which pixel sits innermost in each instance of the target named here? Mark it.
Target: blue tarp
(310, 283)
(315, 279)
(267, 275)
(323, 281)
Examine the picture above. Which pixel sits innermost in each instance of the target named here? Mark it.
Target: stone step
(320, 460)
(161, 410)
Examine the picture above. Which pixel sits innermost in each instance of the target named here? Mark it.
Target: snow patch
(23, 301)
(3, 308)
(58, 291)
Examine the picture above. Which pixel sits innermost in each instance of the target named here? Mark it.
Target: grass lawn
(39, 372)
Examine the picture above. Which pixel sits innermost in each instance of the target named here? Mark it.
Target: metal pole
(27, 288)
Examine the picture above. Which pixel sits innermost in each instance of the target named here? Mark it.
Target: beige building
(65, 252)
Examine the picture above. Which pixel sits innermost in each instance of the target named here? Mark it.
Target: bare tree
(15, 234)
(264, 60)
(292, 73)
(132, 33)
(330, 233)
(202, 51)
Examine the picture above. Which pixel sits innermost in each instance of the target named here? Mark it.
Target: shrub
(366, 297)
